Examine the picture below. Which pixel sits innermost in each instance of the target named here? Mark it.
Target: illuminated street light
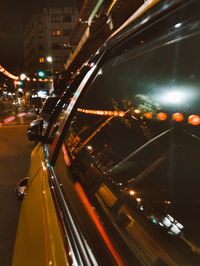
(23, 76)
(174, 97)
(49, 59)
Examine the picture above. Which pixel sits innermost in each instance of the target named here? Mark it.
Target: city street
(15, 152)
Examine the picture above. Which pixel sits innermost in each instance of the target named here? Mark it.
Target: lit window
(41, 59)
(56, 32)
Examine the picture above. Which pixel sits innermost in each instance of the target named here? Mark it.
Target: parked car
(39, 124)
(118, 184)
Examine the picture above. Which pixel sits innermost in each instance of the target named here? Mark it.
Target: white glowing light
(42, 94)
(178, 25)
(179, 225)
(89, 147)
(100, 72)
(23, 76)
(49, 59)
(166, 222)
(174, 97)
(44, 166)
(137, 111)
(175, 229)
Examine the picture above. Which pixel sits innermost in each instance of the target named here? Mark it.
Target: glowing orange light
(148, 115)
(132, 192)
(137, 111)
(102, 112)
(121, 113)
(5, 72)
(177, 117)
(162, 116)
(194, 120)
(97, 222)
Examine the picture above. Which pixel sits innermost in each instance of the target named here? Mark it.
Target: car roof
(149, 12)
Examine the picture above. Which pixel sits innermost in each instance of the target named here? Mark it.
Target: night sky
(13, 15)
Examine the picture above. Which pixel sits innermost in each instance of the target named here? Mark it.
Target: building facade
(45, 36)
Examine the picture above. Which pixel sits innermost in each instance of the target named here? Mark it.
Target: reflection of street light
(41, 74)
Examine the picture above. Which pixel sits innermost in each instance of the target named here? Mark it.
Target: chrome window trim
(68, 111)
(80, 251)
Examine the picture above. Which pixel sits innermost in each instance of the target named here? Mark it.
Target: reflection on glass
(134, 145)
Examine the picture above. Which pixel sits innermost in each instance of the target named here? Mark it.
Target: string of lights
(5, 72)
(178, 117)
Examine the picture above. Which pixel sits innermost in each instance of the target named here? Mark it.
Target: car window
(134, 146)
(57, 113)
(49, 105)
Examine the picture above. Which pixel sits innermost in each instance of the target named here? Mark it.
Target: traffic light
(41, 74)
(18, 82)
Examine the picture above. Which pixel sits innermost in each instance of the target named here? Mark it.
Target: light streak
(5, 72)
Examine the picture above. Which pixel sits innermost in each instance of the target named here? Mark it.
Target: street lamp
(50, 60)
(23, 76)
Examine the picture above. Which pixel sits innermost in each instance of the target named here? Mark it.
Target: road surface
(15, 152)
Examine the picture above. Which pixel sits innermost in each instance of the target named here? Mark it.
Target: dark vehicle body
(37, 126)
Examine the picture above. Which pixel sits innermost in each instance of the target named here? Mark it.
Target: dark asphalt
(15, 152)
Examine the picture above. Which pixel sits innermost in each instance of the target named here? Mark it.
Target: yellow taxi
(115, 180)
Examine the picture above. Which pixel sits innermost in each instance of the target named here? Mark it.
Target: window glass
(66, 32)
(56, 32)
(39, 19)
(40, 47)
(41, 59)
(55, 18)
(40, 34)
(56, 46)
(57, 59)
(67, 18)
(134, 145)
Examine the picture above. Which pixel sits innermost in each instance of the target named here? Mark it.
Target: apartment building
(45, 36)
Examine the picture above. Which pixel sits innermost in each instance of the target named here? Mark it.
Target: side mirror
(21, 187)
(35, 128)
